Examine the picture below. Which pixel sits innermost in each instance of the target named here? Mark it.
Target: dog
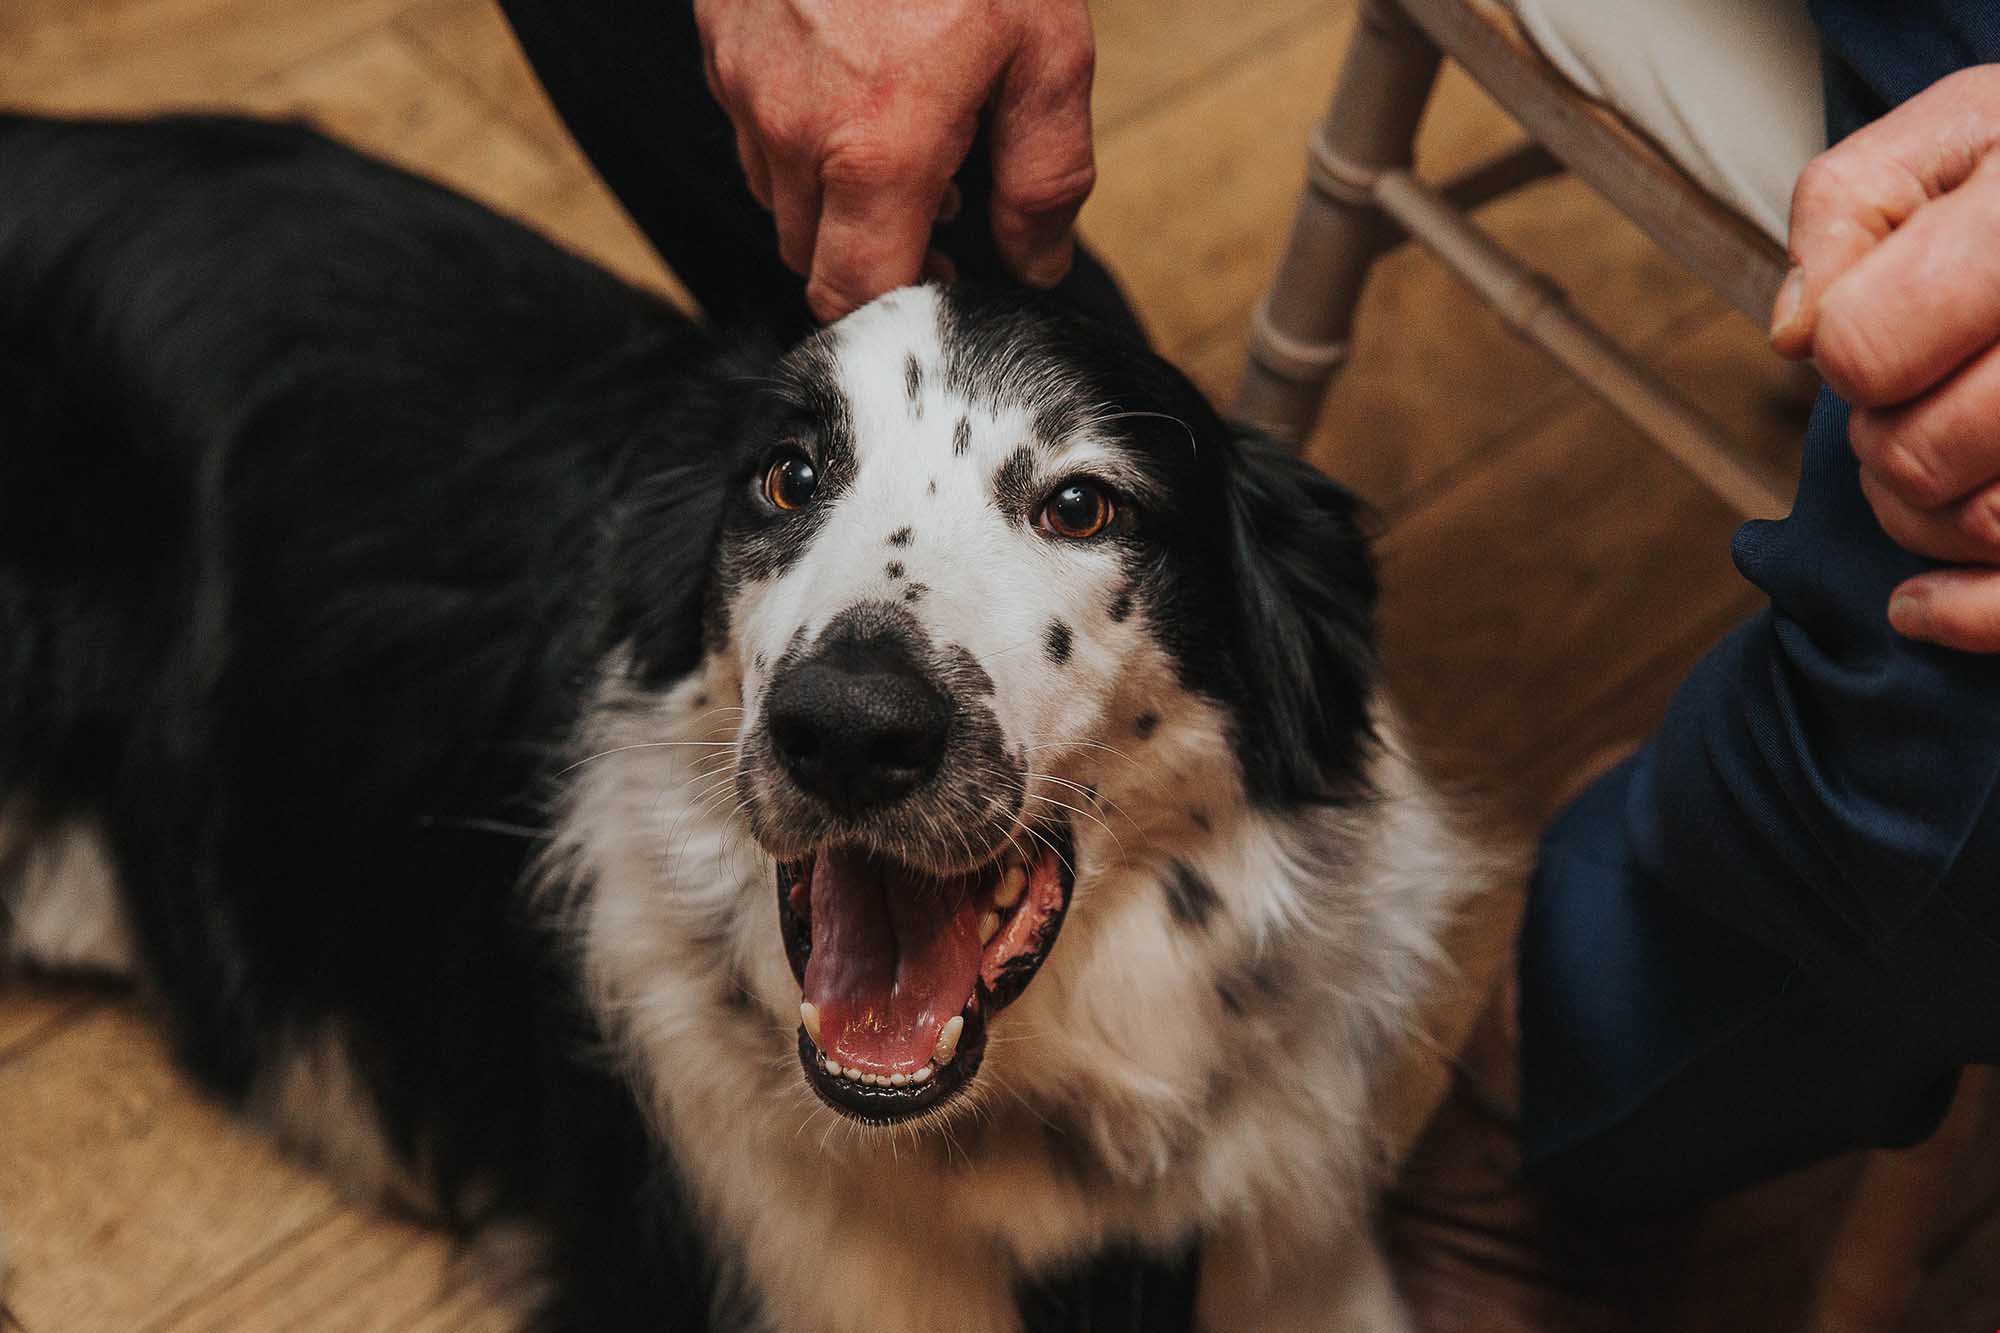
(831, 837)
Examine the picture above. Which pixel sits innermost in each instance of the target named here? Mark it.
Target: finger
(1958, 608)
(1917, 306)
(874, 229)
(795, 204)
(756, 170)
(1967, 532)
(1859, 191)
(1941, 447)
(1043, 169)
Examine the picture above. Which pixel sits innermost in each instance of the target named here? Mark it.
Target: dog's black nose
(857, 724)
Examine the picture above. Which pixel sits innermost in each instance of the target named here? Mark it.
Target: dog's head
(1002, 596)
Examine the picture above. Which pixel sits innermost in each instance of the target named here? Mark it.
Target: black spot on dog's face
(961, 441)
(1144, 725)
(901, 537)
(932, 488)
(915, 592)
(1121, 605)
(1191, 899)
(1199, 818)
(894, 569)
(1057, 642)
(913, 383)
(1014, 484)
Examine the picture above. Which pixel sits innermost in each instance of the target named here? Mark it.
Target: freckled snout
(859, 723)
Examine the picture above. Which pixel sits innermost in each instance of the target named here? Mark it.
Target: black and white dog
(832, 838)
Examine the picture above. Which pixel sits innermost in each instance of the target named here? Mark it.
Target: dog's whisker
(637, 745)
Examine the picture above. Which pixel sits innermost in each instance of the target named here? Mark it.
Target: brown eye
(791, 482)
(1078, 509)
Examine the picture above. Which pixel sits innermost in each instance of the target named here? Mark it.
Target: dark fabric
(627, 77)
(1772, 935)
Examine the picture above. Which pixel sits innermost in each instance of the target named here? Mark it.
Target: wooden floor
(1549, 574)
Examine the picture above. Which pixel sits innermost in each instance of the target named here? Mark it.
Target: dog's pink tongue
(895, 955)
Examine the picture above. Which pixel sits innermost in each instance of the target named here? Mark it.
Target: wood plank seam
(1158, 104)
(257, 1259)
(410, 34)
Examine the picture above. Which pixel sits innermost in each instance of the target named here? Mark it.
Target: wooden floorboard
(1548, 575)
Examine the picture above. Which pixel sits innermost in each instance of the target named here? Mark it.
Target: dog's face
(981, 567)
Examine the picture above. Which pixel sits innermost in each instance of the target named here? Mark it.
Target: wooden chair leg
(1298, 332)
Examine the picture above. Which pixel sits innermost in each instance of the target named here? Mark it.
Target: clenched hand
(1895, 295)
(852, 115)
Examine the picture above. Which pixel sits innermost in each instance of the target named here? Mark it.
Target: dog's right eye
(790, 482)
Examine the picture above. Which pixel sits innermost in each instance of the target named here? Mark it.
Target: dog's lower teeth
(947, 1042)
(899, 1080)
(832, 1067)
(921, 1076)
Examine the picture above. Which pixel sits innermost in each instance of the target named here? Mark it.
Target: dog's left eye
(1077, 509)
(790, 481)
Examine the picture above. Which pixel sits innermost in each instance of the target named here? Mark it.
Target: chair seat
(1729, 89)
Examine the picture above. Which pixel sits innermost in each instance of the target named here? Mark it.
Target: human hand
(1895, 295)
(852, 115)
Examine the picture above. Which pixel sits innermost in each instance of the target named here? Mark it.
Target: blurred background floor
(1549, 575)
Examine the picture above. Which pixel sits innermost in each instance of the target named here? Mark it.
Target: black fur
(322, 491)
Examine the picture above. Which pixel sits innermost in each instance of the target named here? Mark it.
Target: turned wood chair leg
(1299, 331)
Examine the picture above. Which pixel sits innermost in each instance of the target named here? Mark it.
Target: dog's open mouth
(901, 970)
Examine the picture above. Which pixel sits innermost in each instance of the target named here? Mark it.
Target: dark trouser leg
(627, 77)
(1775, 934)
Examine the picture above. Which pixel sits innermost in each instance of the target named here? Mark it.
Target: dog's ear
(1304, 641)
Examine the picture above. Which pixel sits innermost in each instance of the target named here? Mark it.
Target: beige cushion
(1729, 88)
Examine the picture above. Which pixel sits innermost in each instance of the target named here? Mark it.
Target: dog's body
(414, 667)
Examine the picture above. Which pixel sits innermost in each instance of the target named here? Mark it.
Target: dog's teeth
(809, 1016)
(989, 926)
(833, 1068)
(899, 1080)
(947, 1045)
(1011, 885)
(921, 1076)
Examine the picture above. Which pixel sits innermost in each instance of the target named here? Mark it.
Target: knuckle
(1908, 470)
(1051, 192)
(866, 160)
(778, 127)
(1817, 187)
(1903, 458)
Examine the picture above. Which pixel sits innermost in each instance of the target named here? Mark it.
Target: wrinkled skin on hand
(852, 115)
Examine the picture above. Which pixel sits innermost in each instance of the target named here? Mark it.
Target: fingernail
(1785, 310)
(1907, 615)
